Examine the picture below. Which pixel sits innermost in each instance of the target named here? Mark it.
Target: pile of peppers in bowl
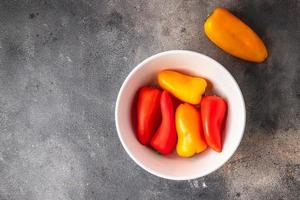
(178, 115)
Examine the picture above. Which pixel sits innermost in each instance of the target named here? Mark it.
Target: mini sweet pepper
(213, 112)
(148, 113)
(233, 36)
(189, 129)
(165, 138)
(186, 88)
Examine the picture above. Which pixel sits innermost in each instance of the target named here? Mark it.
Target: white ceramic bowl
(173, 166)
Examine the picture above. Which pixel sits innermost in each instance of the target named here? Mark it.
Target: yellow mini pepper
(233, 36)
(186, 88)
(189, 130)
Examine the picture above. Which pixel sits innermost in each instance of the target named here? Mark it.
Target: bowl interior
(223, 84)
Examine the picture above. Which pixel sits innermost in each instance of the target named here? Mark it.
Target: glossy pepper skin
(148, 113)
(165, 138)
(189, 129)
(186, 88)
(233, 36)
(213, 112)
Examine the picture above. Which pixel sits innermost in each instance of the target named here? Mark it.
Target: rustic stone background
(62, 63)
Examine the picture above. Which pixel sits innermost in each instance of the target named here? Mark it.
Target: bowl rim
(140, 65)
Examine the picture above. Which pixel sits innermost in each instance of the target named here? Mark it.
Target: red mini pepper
(148, 113)
(213, 112)
(165, 138)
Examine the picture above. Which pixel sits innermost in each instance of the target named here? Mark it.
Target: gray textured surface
(63, 62)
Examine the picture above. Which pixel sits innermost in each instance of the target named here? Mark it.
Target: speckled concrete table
(63, 62)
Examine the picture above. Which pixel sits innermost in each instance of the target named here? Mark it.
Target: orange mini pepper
(186, 88)
(189, 129)
(233, 36)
